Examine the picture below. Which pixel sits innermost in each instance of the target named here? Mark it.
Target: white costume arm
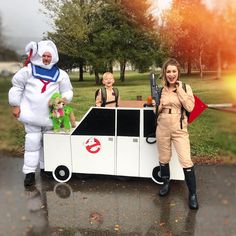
(31, 46)
(66, 89)
(16, 91)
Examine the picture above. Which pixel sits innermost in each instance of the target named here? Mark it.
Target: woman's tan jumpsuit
(168, 125)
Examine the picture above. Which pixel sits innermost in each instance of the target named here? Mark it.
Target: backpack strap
(116, 92)
(157, 114)
(183, 110)
(103, 96)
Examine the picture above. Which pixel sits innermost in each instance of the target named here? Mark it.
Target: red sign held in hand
(199, 107)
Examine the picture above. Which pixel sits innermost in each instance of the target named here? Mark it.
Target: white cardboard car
(107, 141)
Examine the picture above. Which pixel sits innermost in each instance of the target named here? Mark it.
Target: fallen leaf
(224, 201)
(162, 223)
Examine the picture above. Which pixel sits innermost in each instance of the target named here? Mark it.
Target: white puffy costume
(33, 86)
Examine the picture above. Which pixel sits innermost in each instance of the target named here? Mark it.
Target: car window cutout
(98, 122)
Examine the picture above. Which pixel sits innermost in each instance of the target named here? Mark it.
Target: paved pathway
(107, 206)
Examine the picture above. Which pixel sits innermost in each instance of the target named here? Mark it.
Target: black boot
(165, 175)
(29, 179)
(191, 183)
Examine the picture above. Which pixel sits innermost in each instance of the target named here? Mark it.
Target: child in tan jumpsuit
(171, 129)
(108, 81)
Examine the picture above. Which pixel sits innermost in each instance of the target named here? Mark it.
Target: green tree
(230, 54)
(101, 32)
(1, 38)
(224, 38)
(137, 39)
(221, 34)
(185, 30)
(6, 54)
(70, 33)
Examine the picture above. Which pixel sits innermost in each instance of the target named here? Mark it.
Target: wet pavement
(104, 205)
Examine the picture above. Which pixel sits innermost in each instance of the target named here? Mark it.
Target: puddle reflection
(108, 207)
(37, 212)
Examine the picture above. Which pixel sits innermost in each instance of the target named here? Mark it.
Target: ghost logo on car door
(93, 145)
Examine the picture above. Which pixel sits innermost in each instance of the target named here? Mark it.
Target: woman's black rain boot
(191, 183)
(165, 175)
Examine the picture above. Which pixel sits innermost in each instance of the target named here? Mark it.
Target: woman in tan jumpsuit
(171, 129)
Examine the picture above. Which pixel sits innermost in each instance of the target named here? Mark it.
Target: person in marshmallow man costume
(33, 86)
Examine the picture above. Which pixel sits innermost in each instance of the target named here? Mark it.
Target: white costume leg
(33, 143)
(41, 155)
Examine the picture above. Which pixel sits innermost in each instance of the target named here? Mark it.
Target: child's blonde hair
(106, 74)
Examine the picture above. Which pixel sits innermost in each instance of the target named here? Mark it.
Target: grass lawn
(212, 135)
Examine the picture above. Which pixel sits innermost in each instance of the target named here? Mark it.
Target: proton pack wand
(155, 91)
(155, 94)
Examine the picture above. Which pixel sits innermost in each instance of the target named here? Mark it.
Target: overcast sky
(22, 22)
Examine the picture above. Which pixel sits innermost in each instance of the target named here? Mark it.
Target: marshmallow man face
(47, 58)
(41, 53)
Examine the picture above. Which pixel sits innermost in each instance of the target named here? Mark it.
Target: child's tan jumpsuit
(168, 125)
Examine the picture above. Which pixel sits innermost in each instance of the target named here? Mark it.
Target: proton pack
(104, 96)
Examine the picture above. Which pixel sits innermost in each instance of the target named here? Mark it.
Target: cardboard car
(109, 141)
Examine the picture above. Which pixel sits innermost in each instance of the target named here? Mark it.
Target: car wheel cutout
(62, 174)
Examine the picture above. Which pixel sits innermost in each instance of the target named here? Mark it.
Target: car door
(128, 141)
(93, 143)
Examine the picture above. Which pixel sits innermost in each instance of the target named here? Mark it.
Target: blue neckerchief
(46, 74)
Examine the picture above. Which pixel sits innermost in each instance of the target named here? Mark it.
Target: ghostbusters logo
(93, 145)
